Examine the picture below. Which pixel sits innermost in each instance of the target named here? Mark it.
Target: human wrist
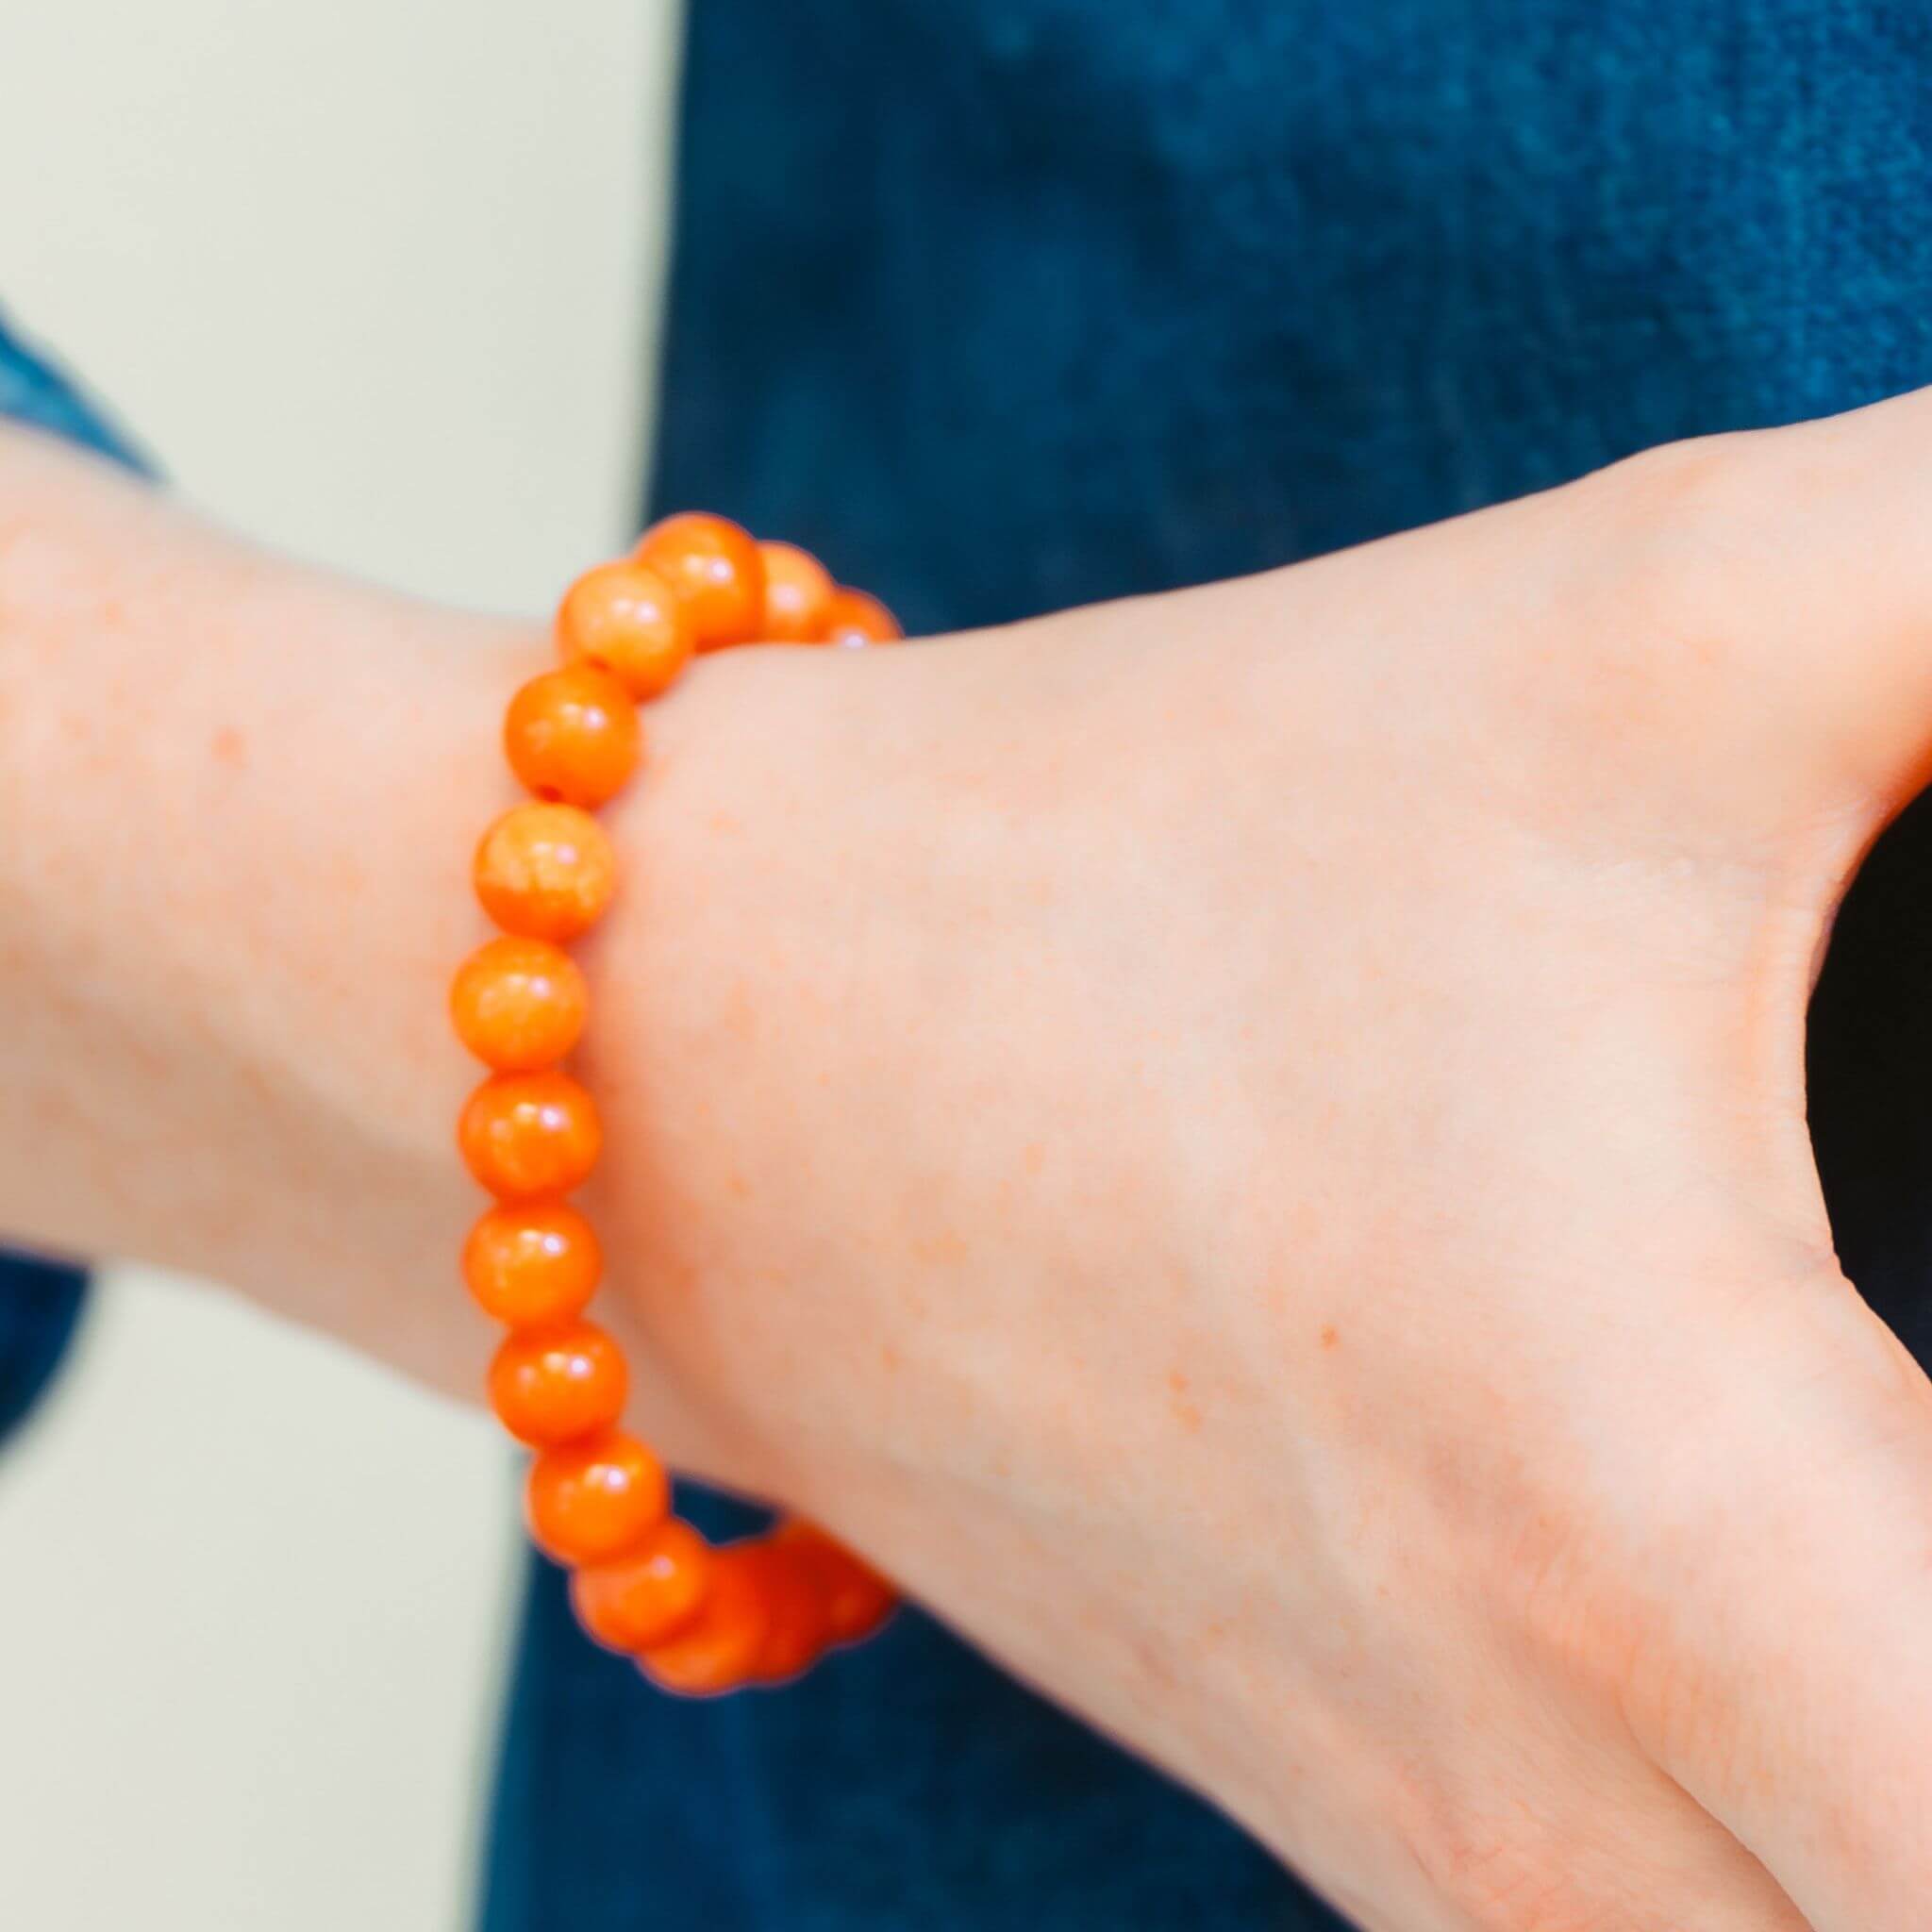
(237, 796)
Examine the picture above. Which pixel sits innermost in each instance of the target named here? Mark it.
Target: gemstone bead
(798, 595)
(525, 1135)
(649, 1595)
(856, 618)
(622, 618)
(572, 736)
(545, 872)
(592, 1501)
(719, 1648)
(797, 1624)
(553, 1385)
(856, 1599)
(532, 1264)
(715, 573)
(519, 1004)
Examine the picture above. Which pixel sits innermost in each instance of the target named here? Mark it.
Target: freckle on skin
(1184, 1412)
(231, 749)
(1331, 1335)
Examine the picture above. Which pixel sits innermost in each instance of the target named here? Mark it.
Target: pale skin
(1247, 1146)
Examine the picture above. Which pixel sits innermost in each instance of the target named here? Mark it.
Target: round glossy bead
(719, 1649)
(857, 618)
(545, 872)
(716, 574)
(649, 1595)
(797, 1625)
(551, 1386)
(592, 1501)
(519, 1004)
(525, 1135)
(856, 1599)
(571, 735)
(532, 1264)
(798, 595)
(622, 618)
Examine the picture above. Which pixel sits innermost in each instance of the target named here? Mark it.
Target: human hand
(1250, 1147)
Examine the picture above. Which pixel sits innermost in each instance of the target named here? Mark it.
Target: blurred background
(376, 284)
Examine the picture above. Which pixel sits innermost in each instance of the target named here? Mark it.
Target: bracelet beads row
(697, 1619)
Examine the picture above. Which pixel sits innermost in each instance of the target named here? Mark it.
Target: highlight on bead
(648, 1595)
(697, 1621)
(572, 737)
(552, 1385)
(527, 1136)
(856, 618)
(622, 618)
(519, 1004)
(798, 595)
(532, 1263)
(592, 1501)
(545, 872)
(715, 571)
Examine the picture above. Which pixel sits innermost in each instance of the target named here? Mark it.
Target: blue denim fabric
(39, 1301)
(1005, 305)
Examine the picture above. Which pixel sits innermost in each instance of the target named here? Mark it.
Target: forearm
(236, 797)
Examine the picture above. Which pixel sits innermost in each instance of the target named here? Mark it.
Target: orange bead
(649, 1595)
(798, 595)
(857, 1598)
(553, 1385)
(797, 1624)
(622, 618)
(519, 1004)
(573, 735)
(716, 574)
(533, 1264)
(545, 872)
(528, 1135)
(593, 1501)
(857, 618)
(719, 1649)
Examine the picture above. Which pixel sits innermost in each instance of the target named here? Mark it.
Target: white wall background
(374, 280)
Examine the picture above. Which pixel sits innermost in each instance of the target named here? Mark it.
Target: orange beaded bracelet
(697, 1620)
